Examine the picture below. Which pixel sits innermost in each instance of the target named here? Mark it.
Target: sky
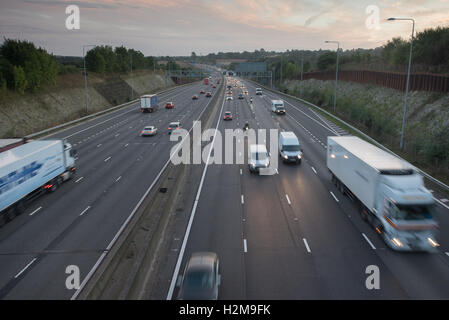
(179, 27)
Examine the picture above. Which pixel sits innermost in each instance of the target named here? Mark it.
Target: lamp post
(336, 73)
(404, 111)
(132, 78)
(85, 77)
(302, 70)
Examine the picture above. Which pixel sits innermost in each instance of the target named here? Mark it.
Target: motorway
(292, 235)
(75, 224)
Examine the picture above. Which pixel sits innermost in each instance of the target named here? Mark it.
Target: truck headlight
(397, 242)
(299, 156)
(433, 243)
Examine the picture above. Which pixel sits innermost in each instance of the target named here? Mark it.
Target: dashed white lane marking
(79, 179)
(314, 170)
(277, 171)
(288, 199)
(245, 247)
(85, 210)
(117, 135)
(333, 195)
(243, 199)
(98, 145)
(116, 180)
(241, 172)
(107, 159)
(35, 211)
(367, 240)
(126, 145)
(26, 267)
(307, 245)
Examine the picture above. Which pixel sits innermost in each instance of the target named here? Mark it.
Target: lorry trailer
(148, 103)
(390, 193)
(28, 168)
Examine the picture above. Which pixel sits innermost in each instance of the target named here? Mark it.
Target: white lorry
(28, 168)
(148, 103)
(390, 192)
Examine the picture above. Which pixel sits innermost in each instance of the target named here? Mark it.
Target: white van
(258, 157)
(277, 106)
(258, 91)
(289, 148)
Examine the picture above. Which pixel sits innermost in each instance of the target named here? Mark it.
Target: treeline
(23, 67)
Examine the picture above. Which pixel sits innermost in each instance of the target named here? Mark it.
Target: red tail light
(143, 131)
(169, 128)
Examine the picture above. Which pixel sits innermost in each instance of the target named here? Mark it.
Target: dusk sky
(178, 27)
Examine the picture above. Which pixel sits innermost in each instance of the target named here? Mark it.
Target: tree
(20, 81)
(326, 60)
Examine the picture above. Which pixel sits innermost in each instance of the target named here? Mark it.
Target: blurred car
(201, 278)
(202, 91)
(169, 105)
(173, 126)
(229, 98)
(241, 96)
(195, 97)
(208, 94)
(214, 86)
(245, 92)
(148, 131)
(227, 115)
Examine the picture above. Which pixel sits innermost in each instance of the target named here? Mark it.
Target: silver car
(201, 278)
(148, 131)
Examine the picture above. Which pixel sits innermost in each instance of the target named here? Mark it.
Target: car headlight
(286, 157)
(252, 164)
(433, 243)
(299, 156)
(397, 242)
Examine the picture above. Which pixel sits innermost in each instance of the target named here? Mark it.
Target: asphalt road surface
(74, 225)
(292, 235)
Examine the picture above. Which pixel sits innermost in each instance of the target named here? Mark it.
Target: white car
(229, 98)
(148, 131)
(258, 157)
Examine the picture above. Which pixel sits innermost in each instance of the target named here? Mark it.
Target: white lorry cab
(289, 147)
(391, 193)
(277, 106)
(258, 157)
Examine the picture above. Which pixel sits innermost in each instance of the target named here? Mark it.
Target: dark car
(195, 97)
(208, 94)
(241, 96)
(201, 278)
(227, 115)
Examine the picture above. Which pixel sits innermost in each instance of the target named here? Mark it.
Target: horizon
(160, 28)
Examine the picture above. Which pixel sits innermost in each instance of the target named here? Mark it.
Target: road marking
(245, 248)
(117, 134)
(85, 210)
(35, 211)
(26, 267)
(241, 171)
(243, 199)
(307, 245)
(107, 159)
(367, 240)
(277, 171)
(288, 199)
(116, 180)
(444, 200)
(314, 170)
(126, 145)
(333, 195)
(98, 145)
(79, 179)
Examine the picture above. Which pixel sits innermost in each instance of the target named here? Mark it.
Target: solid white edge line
(333, 195)
(133, 212)
(307, 245)
(245, 246)
(444, 205)
(192, 214)
(26, 267)
(85, 210)
(35, 211)
(367, 240)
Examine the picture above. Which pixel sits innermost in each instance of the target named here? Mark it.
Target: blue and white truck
(148, 103)
(28, 168)
(389, 190)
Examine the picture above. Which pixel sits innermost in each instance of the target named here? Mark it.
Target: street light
(336, 73)
(404, 111)
(85, 77)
